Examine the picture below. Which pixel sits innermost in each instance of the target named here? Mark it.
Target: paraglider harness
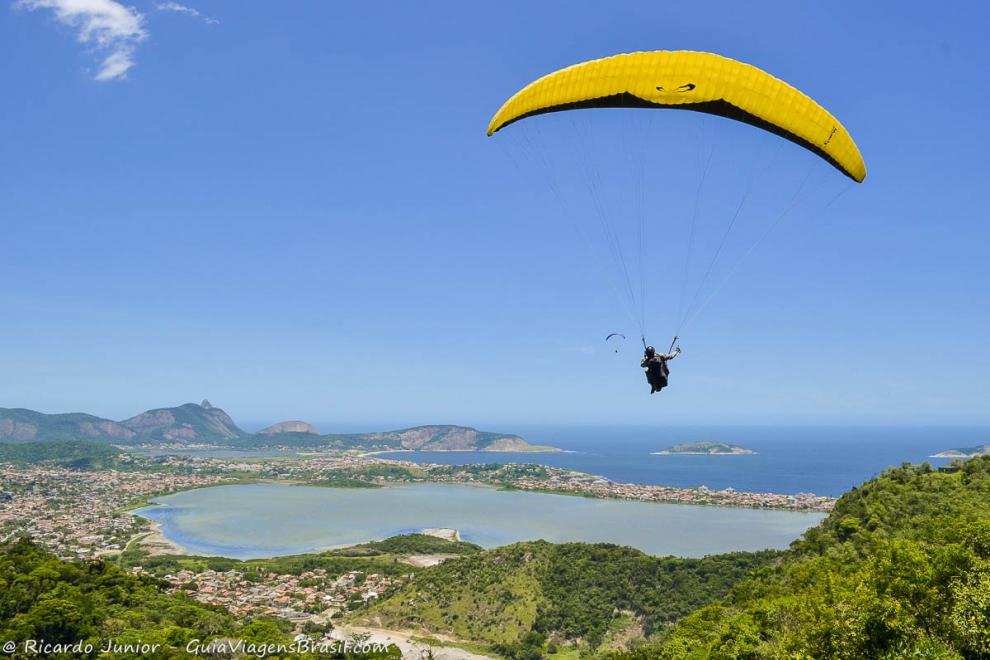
(657, 371)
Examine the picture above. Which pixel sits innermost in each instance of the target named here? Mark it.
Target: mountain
(22, 425)
(197, 424)
(185, 424)
(449, 438)
(289, 427)
(419, 438)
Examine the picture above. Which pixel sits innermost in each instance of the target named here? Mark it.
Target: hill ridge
(205, 424)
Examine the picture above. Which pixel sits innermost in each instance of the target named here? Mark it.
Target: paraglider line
(752, 248)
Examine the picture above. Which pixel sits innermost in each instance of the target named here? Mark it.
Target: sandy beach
(155, 543)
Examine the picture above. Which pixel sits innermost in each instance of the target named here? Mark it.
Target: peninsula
(705, 448)
(964, 452)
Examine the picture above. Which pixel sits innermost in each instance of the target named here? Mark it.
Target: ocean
(820, 460)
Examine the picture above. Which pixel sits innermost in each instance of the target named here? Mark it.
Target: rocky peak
(186, 423)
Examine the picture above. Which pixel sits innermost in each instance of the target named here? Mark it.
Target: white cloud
(106, 25)
(115, 65)
(189, 11)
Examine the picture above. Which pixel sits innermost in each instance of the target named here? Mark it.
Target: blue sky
(292, 209)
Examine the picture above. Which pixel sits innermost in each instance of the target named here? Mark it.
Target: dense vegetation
(43, 598)
(410, 544)
(900, 569)
(521, 597)
(75, 455)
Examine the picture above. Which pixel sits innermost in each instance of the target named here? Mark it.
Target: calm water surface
(822, 460)
(264, 520)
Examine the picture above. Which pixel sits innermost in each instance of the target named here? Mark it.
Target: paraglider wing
(615, 343)
(703, 82)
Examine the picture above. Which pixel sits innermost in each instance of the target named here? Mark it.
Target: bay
(821, 460)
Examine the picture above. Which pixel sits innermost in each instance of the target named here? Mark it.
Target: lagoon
(247, 521)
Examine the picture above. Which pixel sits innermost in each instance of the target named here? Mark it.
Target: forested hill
(523, 600)
(67, 454)
(23, 425)
(204, 424)
(899, 569)
(188, 423)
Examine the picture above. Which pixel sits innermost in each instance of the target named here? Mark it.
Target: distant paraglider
(615, 344)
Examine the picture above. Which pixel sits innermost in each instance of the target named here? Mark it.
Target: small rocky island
(705, 448)
(964, 452)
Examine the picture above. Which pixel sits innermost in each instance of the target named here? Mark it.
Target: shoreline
(538, 449)
(703, 453)
(154, 542)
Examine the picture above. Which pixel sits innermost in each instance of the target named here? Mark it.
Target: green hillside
(43, 598)
(67, 454)
(516, 597)
(23, 425)
(900, 569)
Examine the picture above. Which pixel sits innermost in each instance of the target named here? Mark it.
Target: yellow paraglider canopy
(703, 82)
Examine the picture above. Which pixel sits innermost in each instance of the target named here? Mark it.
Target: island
(964, 452)
(705, 448)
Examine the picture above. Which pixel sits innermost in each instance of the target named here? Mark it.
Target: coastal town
(556, 480)
(312, 596)
(373, 471)
(79, 514)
